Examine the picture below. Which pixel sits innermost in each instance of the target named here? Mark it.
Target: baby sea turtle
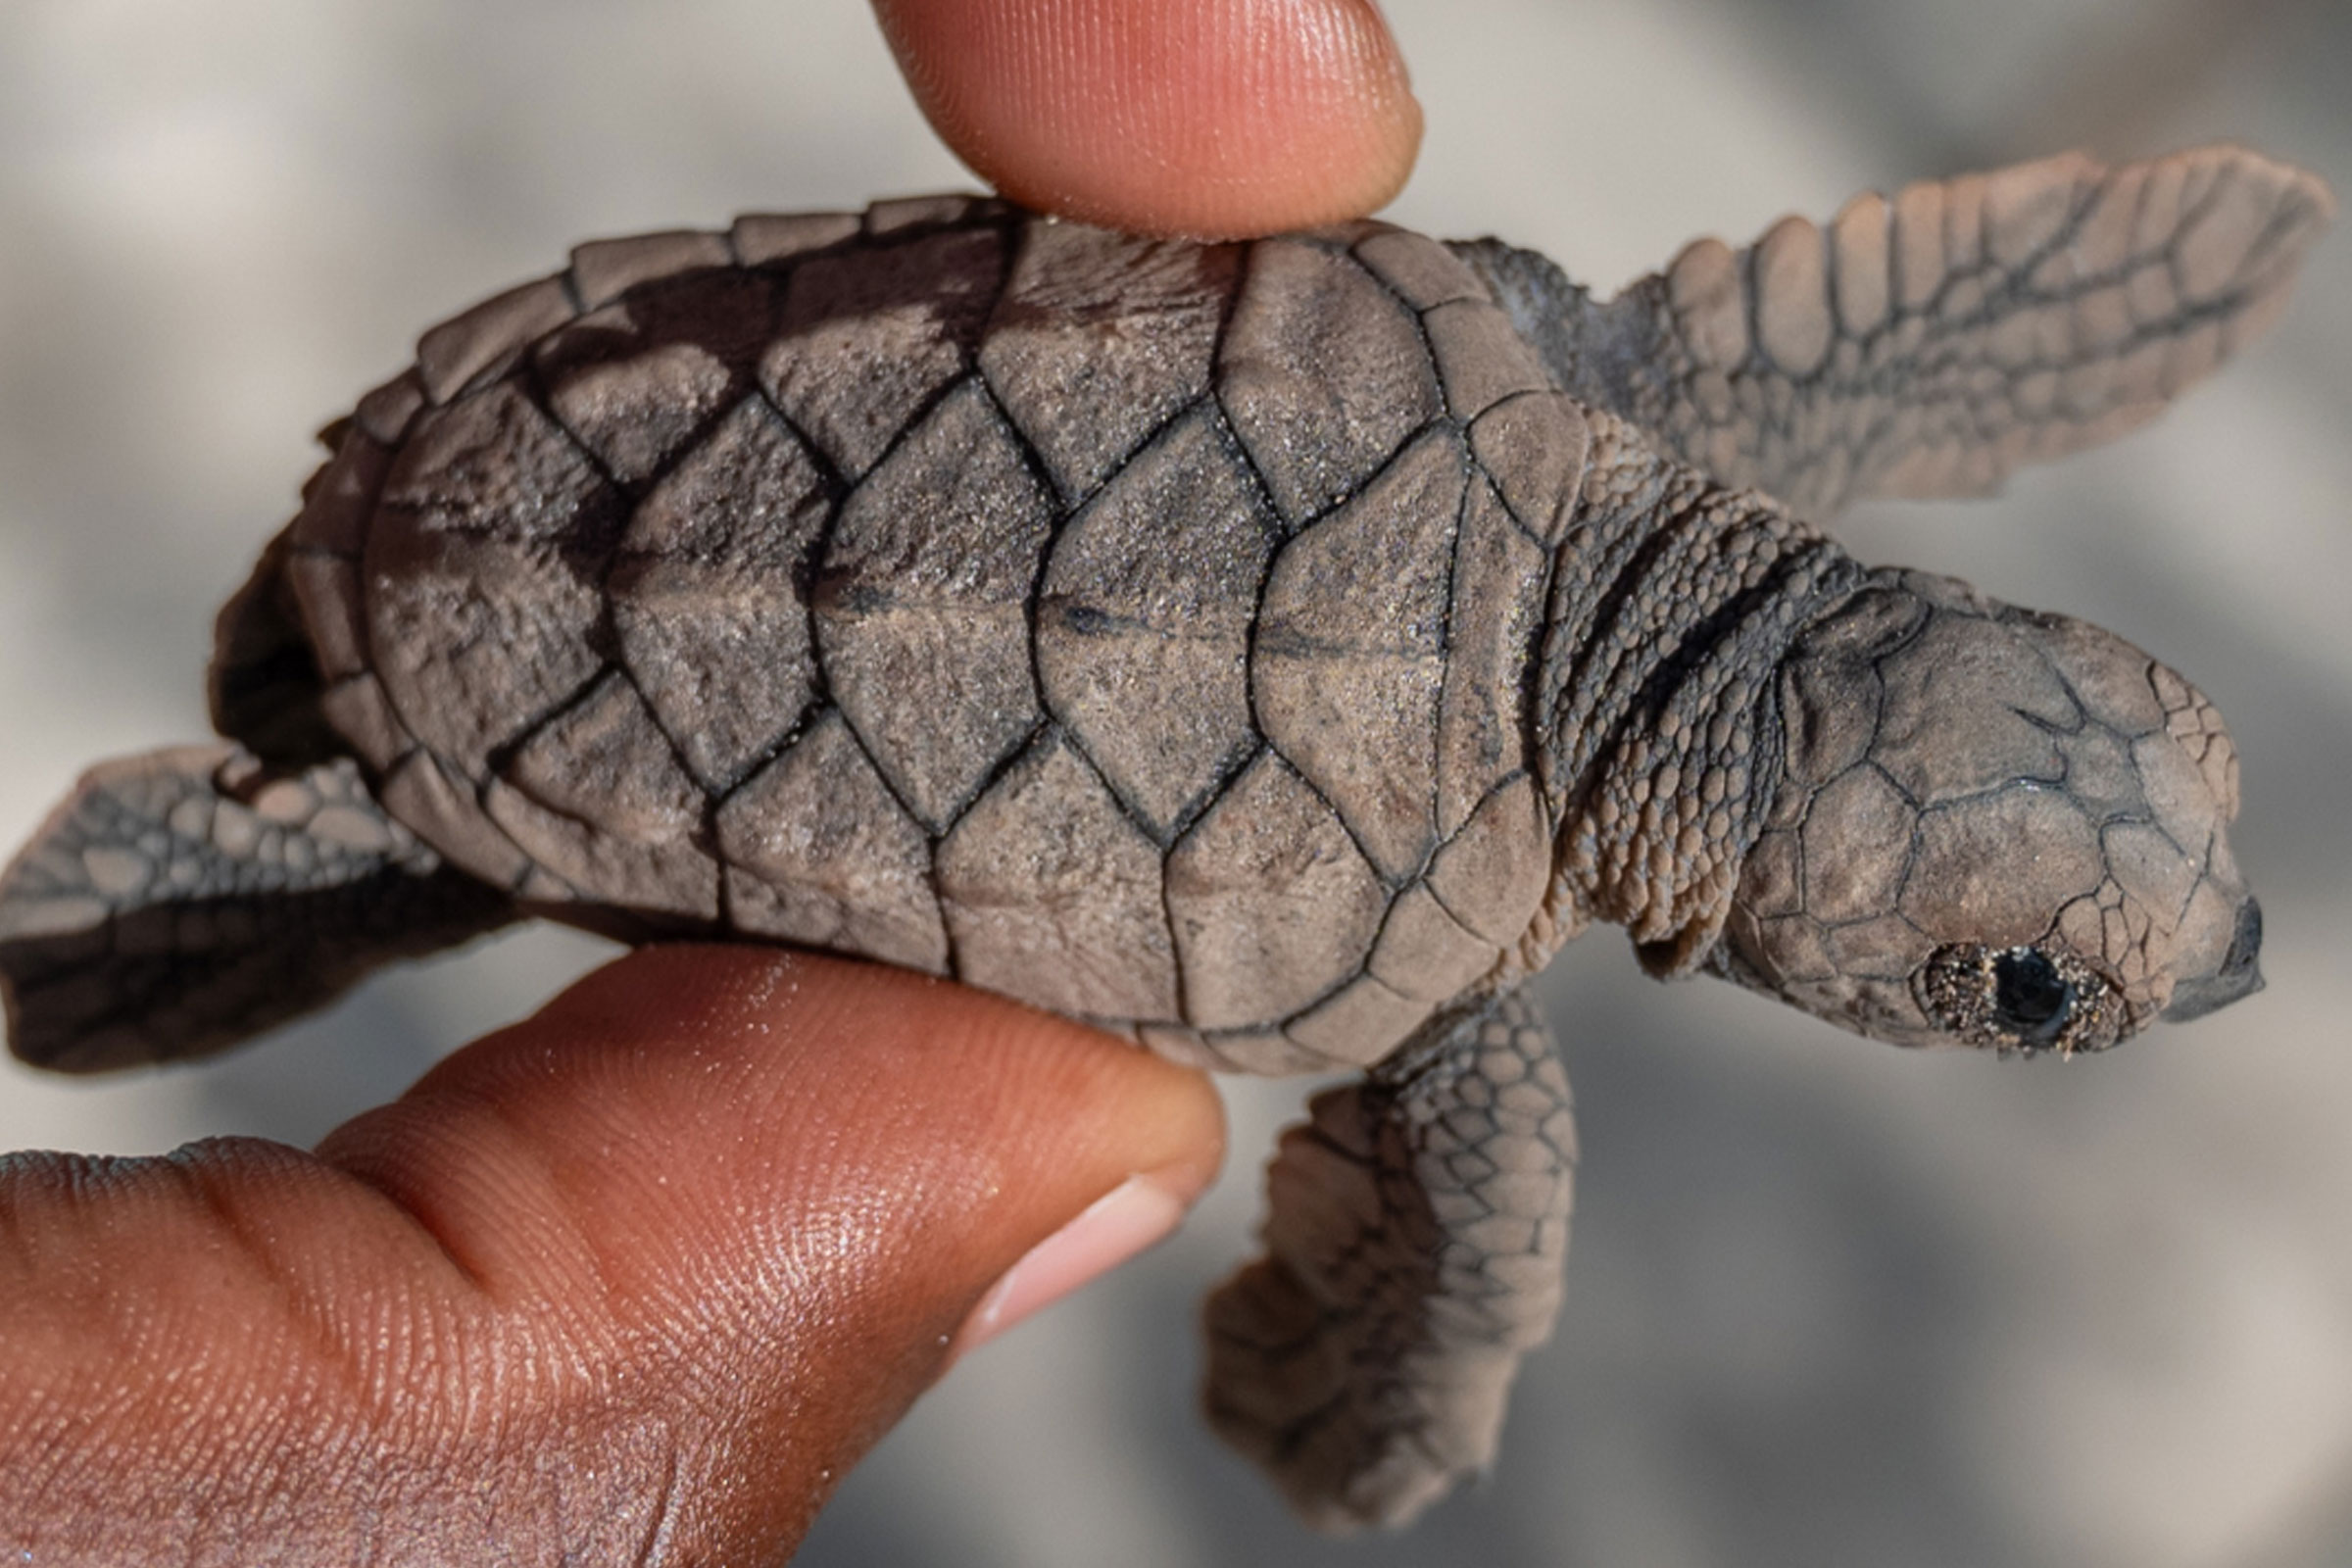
(1270, 652)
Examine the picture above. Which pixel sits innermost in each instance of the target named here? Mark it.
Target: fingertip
(1215, 120)
(1131, 1218)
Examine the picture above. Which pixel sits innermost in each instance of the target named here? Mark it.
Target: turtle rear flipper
(1413, 1255)
(179, 902)
(1931, 344)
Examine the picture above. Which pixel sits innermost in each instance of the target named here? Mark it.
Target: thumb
(654, 1267)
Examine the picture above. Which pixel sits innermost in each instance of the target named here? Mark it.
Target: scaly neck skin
(1673, 602)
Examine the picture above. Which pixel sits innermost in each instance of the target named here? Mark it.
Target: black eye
(2030, 998)
(2020, 999)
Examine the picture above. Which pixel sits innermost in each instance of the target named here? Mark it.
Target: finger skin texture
(636, 1280)
(1211, 120)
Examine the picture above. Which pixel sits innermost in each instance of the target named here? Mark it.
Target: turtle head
(1991, 827)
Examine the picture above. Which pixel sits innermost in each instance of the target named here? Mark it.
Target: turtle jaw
(2239, 975)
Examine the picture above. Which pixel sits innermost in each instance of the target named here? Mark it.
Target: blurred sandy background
(1828, 1303)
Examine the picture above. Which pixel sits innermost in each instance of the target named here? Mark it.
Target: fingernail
(1131, 1216)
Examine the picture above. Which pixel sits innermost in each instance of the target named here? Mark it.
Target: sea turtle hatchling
(1270, 652)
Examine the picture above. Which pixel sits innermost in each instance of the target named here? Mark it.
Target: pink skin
(1211, 120)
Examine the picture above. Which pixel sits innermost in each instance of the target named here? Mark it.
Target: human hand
(656, 1265)
(661, 1264)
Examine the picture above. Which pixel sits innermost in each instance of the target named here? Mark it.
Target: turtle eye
(2020, 999)
(2030, 998)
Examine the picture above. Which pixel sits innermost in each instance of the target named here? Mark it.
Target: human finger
(1214, 119)
(664, 1259)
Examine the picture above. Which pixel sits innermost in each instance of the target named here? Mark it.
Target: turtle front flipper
(1931, 344)
(1413, 1255)
(179, 902)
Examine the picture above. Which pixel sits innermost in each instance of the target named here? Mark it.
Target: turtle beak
(2239, 975)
